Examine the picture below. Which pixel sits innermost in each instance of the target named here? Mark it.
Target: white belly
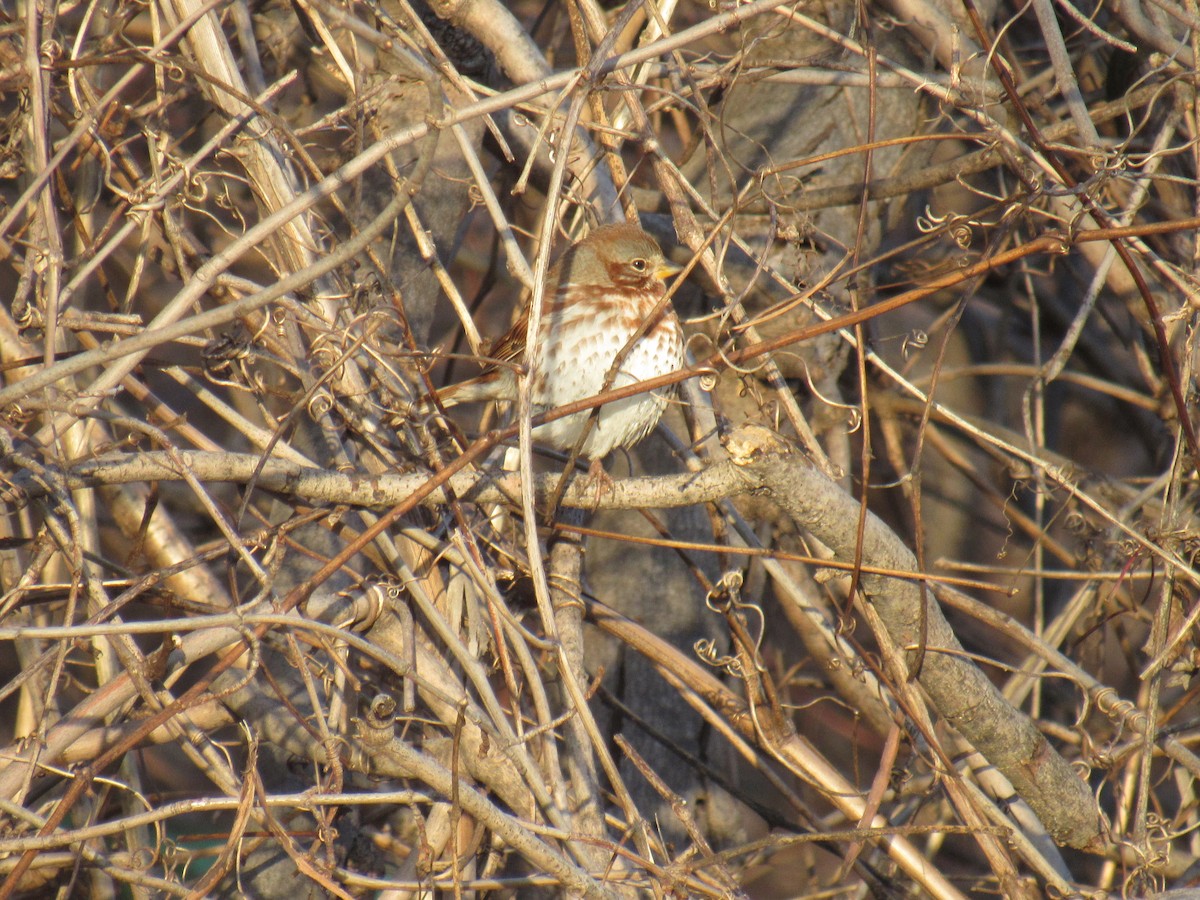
(581, 370)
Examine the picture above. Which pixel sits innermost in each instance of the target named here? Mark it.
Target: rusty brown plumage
(598, 295)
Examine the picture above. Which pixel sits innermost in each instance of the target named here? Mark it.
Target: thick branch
(317, 485)
(961, 692)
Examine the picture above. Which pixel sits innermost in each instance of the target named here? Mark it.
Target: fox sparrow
(598, 295)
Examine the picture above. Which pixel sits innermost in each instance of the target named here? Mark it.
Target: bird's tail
(497, 384)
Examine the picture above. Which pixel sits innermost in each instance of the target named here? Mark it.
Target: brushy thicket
(900, 599)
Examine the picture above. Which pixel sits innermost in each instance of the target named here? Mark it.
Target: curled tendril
(28, 316)
(1082, 769)
(916, 340)
(854, 414)
(930, 221)
(1112, 705)
(326, 833)
(725, 594)
(742, 370)
(195, 189)
(320, 404)
(724, 598)
(323, 356)
(706, 649)
(222, 200)
(1129, 548)
(376, 596)
(1118, 162)
(258, 332)
(17, 415)
(50, 52)
(961, 229)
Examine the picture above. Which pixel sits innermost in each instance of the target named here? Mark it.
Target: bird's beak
(666, 270)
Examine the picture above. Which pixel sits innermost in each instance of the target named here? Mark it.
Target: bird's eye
(640, 265)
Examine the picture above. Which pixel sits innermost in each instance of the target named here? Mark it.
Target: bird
(599, 294)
